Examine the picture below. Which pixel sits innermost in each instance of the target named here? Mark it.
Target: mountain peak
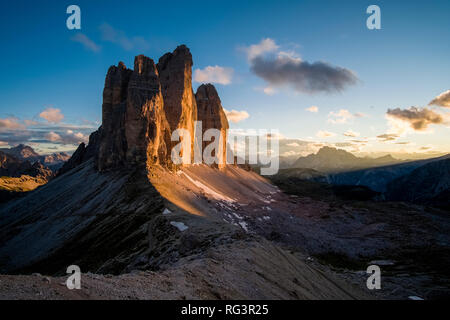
(329, 159)
(22, 152)
(330, 151)
(142, 107)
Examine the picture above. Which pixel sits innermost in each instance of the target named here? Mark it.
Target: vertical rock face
(211, 114)
(147, 130)
(175, 72)
(113, 144)
(134, 128)
(142, 107)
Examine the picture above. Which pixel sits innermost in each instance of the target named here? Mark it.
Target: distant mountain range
(378, 178)
(23, 152)
(428, 184)
(332, 160)
(22, 169)
(424, 181)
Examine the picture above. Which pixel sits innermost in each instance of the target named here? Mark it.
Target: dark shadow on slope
(121, 231)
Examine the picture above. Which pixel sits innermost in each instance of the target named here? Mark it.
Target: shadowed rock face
(147, 130)
(83, 152)
(142, 107)
(113, 143)
(211, 114)
(135, 129)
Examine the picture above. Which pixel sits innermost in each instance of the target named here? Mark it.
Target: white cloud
(256, 50)
(293, 144)
(351, 133)
(325, 134)
(340, 117)
(216, 74)
(52, 115)
(67, 137)
(313, 109)
(236, 116)
(80, 136)
(118, 37)
(269, 91)
(86, 42)
(53, 137)
(288, 57)
(442, 100)
(10, 124)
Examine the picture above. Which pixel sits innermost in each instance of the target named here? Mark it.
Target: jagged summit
(22, 152)
(142, 107)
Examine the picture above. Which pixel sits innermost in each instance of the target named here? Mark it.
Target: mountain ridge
(23, 152)
(329, 159)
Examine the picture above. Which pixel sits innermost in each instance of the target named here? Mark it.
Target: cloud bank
(417, 119)
(288, 69)
(10, 124)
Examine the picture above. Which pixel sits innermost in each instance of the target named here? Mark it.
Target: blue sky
(404, 64)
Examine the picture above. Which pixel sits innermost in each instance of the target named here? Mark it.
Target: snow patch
(236, 215)
(180, 225)
(243, 225)
(166, 211)
(208, 190)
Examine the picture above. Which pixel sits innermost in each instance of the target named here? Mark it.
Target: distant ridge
(378, 178)
(26, 153)
(328, 160)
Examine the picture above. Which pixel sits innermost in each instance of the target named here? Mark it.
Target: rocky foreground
(239, 270)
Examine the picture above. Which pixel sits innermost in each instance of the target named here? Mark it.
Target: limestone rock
(146, 129)
(175, 72)
(113, 144)
(210, 113)
(142, 107)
